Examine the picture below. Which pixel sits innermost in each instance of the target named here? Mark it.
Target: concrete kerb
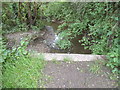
(73, 57)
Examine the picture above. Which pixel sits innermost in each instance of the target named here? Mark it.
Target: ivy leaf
(116, 18)
(25, 52)
(22, 43)
(109, 33)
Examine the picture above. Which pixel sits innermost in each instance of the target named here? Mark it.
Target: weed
(20, 70)
(67, 59)
(96, 67)
(55, 61)
(113, 76)
(0, 75)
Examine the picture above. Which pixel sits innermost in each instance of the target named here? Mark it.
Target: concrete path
(72, 57)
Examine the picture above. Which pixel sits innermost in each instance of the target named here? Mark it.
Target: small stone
(93, 85)
(63, 86)
(78, 68)
(69, 62)
(88, 65)
(70, 82)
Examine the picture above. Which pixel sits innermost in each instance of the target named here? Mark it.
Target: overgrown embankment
(19, 69)
(97, 22)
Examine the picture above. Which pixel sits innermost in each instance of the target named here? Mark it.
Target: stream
(76, 48)
(45, 41)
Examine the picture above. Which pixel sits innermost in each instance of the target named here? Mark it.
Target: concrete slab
(72, 57)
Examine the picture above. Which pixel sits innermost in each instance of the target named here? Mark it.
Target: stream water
(76, 46)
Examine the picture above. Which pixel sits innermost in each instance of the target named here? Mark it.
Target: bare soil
(36, 44)
(76, 75)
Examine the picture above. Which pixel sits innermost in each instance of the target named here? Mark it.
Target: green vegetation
(55, 61)
(64, 42)
(21, 16)
(97, 22)
(67, 60)
(20, 69)
(96, 67)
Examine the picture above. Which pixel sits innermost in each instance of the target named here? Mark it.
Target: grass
(0, 76)
(23, 71)
(113, 76)
(55, 61)
(67, 60)
(96, 67)
(20, 69)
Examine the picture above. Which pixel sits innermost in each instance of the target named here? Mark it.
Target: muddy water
(76, 46)
(54, 25)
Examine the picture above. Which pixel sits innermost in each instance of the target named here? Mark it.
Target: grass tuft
(23, 73)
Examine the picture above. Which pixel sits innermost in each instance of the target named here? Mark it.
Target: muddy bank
(44, 41)
(39, 41)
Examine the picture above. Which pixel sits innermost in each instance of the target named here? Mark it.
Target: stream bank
(40, 46)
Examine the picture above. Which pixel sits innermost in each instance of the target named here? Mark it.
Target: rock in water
(50, 37)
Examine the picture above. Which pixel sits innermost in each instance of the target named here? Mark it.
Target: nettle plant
(102, 37)
(97, 22)
(15, 53)
(64, 41)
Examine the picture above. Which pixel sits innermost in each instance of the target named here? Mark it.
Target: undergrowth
(97, 22)
(20, 70)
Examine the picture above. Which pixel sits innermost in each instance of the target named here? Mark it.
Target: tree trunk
(19, 11)
(29, 14)
(35, 13)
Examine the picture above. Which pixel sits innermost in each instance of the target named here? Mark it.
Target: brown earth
(36, 44)
(76, 75)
